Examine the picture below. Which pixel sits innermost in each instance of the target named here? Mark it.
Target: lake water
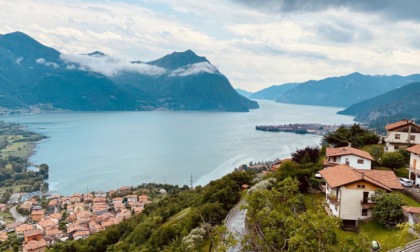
(88, 151)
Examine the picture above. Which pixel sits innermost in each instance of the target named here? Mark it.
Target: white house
(404, 133)
(350, 156)
(348, 191)
(414, 170)
(132, 198)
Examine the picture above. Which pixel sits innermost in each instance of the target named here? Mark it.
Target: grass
(409, 201)
(7, 217)
(372, 229)
(400, 172)
(18, 149)
(179, 215)
(375, 231)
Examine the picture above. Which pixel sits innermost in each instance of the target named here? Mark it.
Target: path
(16, 215)
(235, 222)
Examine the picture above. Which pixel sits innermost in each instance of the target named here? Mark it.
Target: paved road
(17, 215)
(235, 222)
(413, 246)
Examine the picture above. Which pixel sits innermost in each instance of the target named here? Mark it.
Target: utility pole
(191, 182)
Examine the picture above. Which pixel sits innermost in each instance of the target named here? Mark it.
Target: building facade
(348, 191)
(402, 134)
(414, 169)
(350, 156)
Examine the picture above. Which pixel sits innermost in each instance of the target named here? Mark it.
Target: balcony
(413, 170)
(333, 200)
(367, 204)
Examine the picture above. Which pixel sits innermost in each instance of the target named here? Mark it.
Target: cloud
(194, 69)
(108, 66)
(342, 32)
(47, 63)
(400, 10)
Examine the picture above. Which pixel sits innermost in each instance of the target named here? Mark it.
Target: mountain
(345, 90)
(244, 93)
(32, 74)
(190, 82)
(401, 101)
(273, 92)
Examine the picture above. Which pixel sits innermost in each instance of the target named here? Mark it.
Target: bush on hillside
(393, 160)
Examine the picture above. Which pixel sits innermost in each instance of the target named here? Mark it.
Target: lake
(91, 151)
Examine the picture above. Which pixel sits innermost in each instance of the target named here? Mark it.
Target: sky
(255, 43)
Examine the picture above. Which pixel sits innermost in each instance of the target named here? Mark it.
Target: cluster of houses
(77, 216)
(351, 181)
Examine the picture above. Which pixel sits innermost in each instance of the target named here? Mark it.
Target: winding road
(16, 215)
(235, 222)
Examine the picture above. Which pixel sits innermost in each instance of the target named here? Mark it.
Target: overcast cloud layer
(254, 43)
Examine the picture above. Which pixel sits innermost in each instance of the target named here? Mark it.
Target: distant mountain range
(273, 92)
(244, 93)
(402, 101)
(345, 90)
(32, 74)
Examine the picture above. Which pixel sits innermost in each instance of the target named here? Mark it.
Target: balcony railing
(333, 200)
(415, 171)
(367, 204)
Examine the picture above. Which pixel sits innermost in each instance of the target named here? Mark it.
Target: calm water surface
(89, 151)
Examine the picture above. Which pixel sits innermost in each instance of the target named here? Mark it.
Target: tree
(405, 233)
(387, 210)
(313, 231)
(392, 160)
(358, 243)
(306, 155)
(354, 135)
(194, 240)
(269, 211)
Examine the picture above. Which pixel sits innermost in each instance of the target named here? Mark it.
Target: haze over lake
(91, 151)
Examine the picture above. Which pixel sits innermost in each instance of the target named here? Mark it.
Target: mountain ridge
(32, 74)
(345, 90)
(403, 100)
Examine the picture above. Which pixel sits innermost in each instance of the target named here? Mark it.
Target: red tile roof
(32, 232)
(410, 209)
(343, 174)
(399, 124)
(331, 152)
(415, 149)
(32, 245)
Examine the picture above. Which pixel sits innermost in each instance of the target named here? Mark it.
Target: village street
(17, 215)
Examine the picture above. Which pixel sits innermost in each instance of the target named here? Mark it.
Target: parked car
(406, 182)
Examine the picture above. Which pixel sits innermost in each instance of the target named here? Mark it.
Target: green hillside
(403, 101)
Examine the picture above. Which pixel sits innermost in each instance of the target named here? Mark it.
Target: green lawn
(7, 217)
(372, 229)
(409, 201)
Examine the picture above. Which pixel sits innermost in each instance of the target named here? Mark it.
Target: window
(365, 212)
(412, 138)
(397, 136)
(396, 147)
(361, 186)
(334, 159)
(360, 161)
(347, 161)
